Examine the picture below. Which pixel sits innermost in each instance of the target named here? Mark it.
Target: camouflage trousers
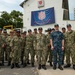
(2, 55)
(57, 54)
(49, 54)
(26, 55)
(8, 50)
(15, 56)
(41, 57)
(70, 52)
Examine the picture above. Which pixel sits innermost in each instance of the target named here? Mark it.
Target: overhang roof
(23, 3)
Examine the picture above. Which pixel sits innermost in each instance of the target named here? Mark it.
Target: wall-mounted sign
(40, 3)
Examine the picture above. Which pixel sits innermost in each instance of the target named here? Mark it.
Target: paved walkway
(34, 71)
(50, 71)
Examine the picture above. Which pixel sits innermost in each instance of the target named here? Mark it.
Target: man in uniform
(29, 48)
(49, 52)
(70, 46)
(34, 34)
(8, 48)
(41, 49)
(5, 35)
(63, 31)
(23, 36)
(16, 45)
(57, 46)
(1, 47)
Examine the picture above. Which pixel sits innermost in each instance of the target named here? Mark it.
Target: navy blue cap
(56, 25)
(68, 25)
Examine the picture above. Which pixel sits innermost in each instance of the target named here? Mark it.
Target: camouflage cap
(63, 28)
(35, 28)
(49, 29)
(0, 29)
(4, 31)
(29, 30)
(25, 32)
(53, 29)
(68, 25)
(18, 31)
(15, 29)
(11, 31)
(40, 28)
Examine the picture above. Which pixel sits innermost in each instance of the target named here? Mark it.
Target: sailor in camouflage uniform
(23, 36)
(57, 46)
(70, 46)
(2, 42)
(34, 34)
(49, 52)
(41, 49)
(29, 48)
(8, 48)
(16, 45)
(5, 35)
(63, 31)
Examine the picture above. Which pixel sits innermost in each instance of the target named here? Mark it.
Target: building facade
(32, 5)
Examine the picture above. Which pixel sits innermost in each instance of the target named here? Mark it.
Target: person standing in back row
(70, 47)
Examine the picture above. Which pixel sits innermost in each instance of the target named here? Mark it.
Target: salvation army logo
(40, 2)
(41, 15)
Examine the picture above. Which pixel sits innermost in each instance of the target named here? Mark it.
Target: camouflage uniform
(49, 51)
(41, 48)
(16, 45)
(70, 46)
(34, 44)
(29, 49)
(4, 49)
(23, 50)
(57, 38)
(8, 48)
(2, 41)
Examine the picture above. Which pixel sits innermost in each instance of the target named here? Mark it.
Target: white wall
(32, 5)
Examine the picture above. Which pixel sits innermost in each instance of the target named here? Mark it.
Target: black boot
(60, 67)
(9, 63)
(12, 66)
(67, 66)
(51, 64)
(44, 67)
(17, 65)
(28, 62)
(74, 67)
(2, 62)
(32, 64)
(39, 67)
(54, 67)
(24, 64)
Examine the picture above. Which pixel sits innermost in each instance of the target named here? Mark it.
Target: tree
(17, 19)
(14, 18)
